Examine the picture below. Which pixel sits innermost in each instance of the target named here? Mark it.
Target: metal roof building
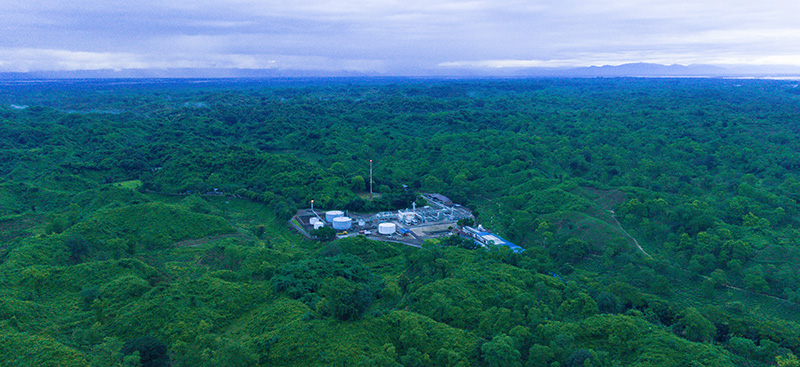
(441, 199)
(484, 238)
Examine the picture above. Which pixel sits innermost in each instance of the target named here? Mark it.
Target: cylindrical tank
(387, 228)
(313, 220)
(318, 225)
(342, 223)
(330, 215)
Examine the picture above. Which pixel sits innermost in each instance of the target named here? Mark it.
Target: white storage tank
(387, 228)
(342, 223)
(318, 225)
(332, 214)
(313, 220)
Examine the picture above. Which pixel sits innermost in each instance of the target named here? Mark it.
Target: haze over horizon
(390, 37)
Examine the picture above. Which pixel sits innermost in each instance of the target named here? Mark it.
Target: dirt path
(726, 285)
(629, 235)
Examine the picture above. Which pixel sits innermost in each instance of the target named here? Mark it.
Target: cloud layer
(392, 36)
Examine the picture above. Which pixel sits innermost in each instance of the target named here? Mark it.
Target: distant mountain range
(610, 71)
(640, 70)
(648, 70)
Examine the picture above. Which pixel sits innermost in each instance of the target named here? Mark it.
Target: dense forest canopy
(143, 222)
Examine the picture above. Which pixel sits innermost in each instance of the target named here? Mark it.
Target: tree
(789, 360)
(544, 232)
(573, 250)
(109, 354)
(152, 352)
(696, 327)
(415, 358)
(500, 352)
(465, 222)
(607, 302)
(735, 250)
(35, 277)
(743, 346)
(578, 307)
(78, 247)
(754, 279)
(459, 241)
(540, 356)
(579, 357)
(450, 358)
(358, 184)
(57, 225)
(339, 169)
(324, 234)
(443, 266)
(344, 299)
(521, 225)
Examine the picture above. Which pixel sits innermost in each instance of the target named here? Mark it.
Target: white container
(313, 220)
(332, 214)
(387, 228)
(319, 225)
(342, 223)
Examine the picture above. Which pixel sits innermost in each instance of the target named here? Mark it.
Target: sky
(393, 37)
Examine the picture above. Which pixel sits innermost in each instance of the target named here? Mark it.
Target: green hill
(658, 219)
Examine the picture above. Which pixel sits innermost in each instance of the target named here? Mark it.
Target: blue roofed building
(484, 238)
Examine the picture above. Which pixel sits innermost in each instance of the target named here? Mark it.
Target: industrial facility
(410, 226)
(486, 238)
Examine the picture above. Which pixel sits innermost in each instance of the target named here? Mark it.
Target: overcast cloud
(392, 36)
